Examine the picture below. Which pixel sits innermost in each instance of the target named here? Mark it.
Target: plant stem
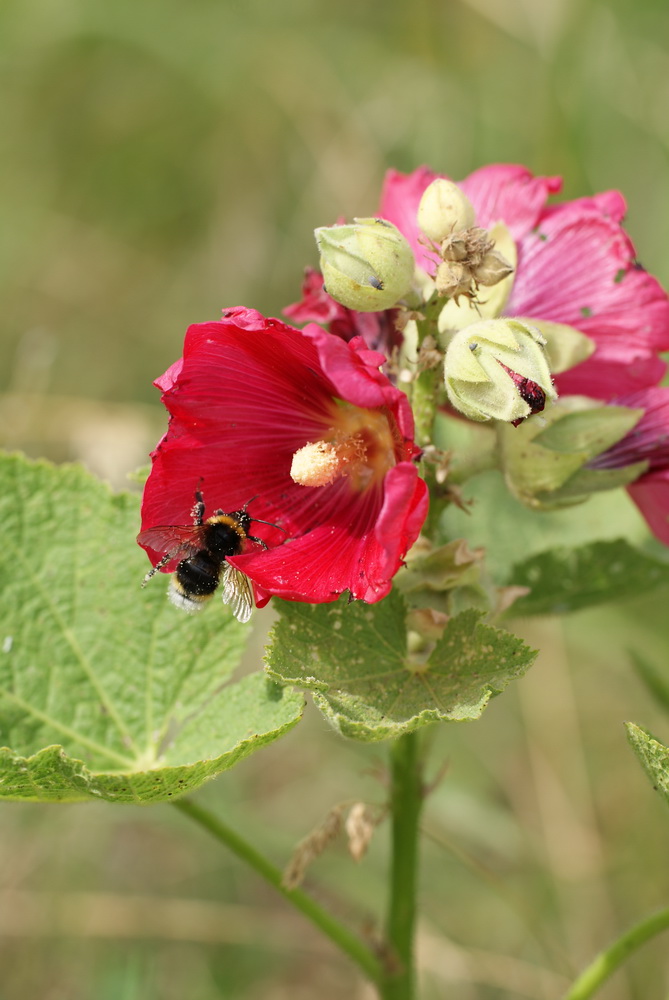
(338, 934)
(612, 957)
(405, 803)
(424, 404)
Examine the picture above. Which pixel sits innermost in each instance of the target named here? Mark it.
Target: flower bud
(497, 370)
(443, 210)
(367, 266)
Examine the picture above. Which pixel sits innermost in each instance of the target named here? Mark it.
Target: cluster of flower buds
(330, 440)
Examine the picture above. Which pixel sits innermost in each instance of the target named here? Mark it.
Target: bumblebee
(203, 549)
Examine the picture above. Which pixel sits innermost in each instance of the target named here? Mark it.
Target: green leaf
(564, 579)
(355, 659)
(107, 690)
(654, 757)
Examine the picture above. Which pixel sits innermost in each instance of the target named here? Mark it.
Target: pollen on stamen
(319, 463)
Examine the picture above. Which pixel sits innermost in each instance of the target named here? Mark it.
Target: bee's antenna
(259, 520)
(270, 523)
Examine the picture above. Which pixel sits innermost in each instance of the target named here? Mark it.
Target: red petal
(651, 495)
(358, 545)
(248, 394)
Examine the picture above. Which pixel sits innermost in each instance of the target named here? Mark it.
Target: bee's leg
(197, 512)
(159, 565)
(258, 541)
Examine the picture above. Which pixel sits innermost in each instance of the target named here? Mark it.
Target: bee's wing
(237, 592)
(175, 541)
(173, 538)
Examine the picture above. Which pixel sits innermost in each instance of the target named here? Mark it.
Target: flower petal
(360, 552)
(623, 309)
(651, 495)
(510, 193)
(400, 196)
(249, 393)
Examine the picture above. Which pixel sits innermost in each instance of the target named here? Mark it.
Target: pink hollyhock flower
(647, 441)
(377, 329)
(576, 266)
(306, 425)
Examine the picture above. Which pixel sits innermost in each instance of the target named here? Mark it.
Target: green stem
(338, 934)
(612, 957)
(405, 802)
(424, 404)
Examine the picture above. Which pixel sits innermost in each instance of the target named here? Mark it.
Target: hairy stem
(613, 957)
(338, 934)
(405, 803)
(424, 403)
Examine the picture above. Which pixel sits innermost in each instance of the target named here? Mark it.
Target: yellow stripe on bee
(227, 519)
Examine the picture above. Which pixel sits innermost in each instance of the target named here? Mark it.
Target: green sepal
(355, 659)
(565, 346)
(653, 755)
(543, 458)
(106, 690)
(592, 430)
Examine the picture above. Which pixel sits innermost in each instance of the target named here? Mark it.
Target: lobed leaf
(563, 579)
(107, 690)
(354, 658)
(654, 757)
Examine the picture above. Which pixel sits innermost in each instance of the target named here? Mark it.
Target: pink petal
(602, 379)
(623, 309)
(400, 197)
(651, 495)
(508, 193)
(607, 203)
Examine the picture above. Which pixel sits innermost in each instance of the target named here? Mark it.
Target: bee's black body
(199, 574)
(203, 549)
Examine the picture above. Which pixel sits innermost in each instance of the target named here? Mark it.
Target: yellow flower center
(361, 445)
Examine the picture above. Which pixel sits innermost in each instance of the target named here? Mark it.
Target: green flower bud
(497, 370)
(367, 266)
(444, 209)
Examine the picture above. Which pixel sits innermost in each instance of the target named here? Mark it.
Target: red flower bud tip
(529, 391)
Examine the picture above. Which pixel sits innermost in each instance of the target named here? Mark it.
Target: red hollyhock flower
(647, 441)
(307, 425)
(575, 266)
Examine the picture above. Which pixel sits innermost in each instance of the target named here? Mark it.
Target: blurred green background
(163, 160)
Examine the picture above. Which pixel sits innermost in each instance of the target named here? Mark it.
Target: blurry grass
(164, 160)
